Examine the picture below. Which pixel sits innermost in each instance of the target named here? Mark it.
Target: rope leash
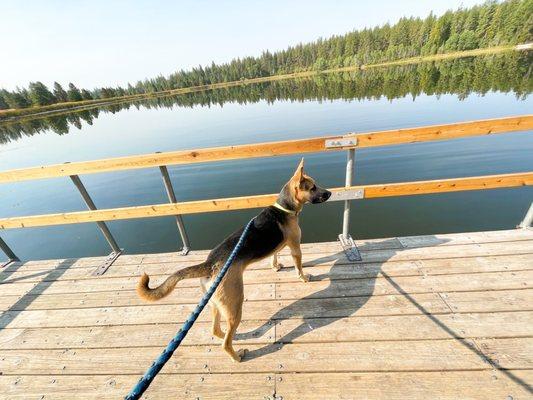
(158, 364)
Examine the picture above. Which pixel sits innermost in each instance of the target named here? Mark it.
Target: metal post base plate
(6, 263)
(107, 263)
(350, 248)
(185, 250)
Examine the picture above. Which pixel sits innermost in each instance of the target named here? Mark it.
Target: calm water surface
(269, 113)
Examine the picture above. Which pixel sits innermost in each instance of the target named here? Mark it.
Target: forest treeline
(510, 72)
(490, 24)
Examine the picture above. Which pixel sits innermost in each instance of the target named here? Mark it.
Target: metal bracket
(8, 262)
(350, 248)
(341, 142)
(350, 194)
(185, 250)
(107, 263)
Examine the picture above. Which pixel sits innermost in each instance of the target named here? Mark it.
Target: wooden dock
(424, 317)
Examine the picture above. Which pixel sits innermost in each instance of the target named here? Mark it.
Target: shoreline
(16, 114)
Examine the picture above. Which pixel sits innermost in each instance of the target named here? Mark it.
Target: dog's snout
(327, 195)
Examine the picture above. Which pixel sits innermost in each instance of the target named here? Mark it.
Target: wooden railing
(240, 203)
(270, 149)
(350, 142)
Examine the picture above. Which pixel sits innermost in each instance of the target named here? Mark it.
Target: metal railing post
(117, 251)
(528, 218)
(347, 243)
(8, 252)
(348, 182)
(172, 198)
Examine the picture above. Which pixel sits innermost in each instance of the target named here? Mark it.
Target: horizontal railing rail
(281, 148)
(257, 201)
(348, 142)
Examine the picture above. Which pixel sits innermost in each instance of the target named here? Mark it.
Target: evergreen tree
(73, 93)
(60, 93)
(17, 99)
(40, 95)
(489, 24)
(3, 102)
(86, 95)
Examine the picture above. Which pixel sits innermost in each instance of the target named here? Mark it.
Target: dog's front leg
(296, 253)
(276, 266)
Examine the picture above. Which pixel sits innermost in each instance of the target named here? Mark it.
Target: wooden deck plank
(310, 330)
(189, 294)
(453, 239)
(191, 386)
(469, 265)
(254, 310)
(400, 327)
(392, 269)
(252, 275)
(189, 291)
(332, 251)
(118, 336)
(424, 355)
(446, 385)
(508, 353)
(407, 284)
(479, 300)
(430, 316)
(442, 385)
(263, 274)
(308, 248)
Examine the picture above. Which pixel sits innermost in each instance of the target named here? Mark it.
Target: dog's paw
(240, 355)
(276, 267)
(305, 277)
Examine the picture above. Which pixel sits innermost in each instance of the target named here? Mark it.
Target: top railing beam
(271, 149)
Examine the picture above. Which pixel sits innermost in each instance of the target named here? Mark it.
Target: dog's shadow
(350, 286)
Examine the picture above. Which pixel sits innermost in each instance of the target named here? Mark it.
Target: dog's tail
(195, 271)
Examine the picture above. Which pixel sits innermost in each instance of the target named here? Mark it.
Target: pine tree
(86, 95)
(40, 95)
(73, 93)
(3, 102)
(60, 93)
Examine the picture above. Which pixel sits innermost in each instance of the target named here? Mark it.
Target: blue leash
(158, 364)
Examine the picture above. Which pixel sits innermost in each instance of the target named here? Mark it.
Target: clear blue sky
(110, 42)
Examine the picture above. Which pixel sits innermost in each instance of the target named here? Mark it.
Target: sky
(111, 42)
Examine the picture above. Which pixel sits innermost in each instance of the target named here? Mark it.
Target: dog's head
(304, 188)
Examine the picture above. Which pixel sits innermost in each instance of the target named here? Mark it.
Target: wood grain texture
(445, 385)
(270, 149)
(188, 386)
(438, 316)
(311, 330)
(415, 355)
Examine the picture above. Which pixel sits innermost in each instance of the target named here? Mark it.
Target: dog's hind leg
(215, 329)
(231, 308)
(215, 313)
(233, 321)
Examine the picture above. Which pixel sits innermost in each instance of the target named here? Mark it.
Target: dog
(272, 229)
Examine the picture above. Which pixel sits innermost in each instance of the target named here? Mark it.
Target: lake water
(388, 99)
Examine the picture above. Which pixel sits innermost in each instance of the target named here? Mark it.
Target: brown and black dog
(274, 228)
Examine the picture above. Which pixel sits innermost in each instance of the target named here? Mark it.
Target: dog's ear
(299, 173)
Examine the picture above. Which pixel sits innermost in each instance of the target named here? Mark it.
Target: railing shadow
(11, 268)
(9, 315)
(327, 306)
